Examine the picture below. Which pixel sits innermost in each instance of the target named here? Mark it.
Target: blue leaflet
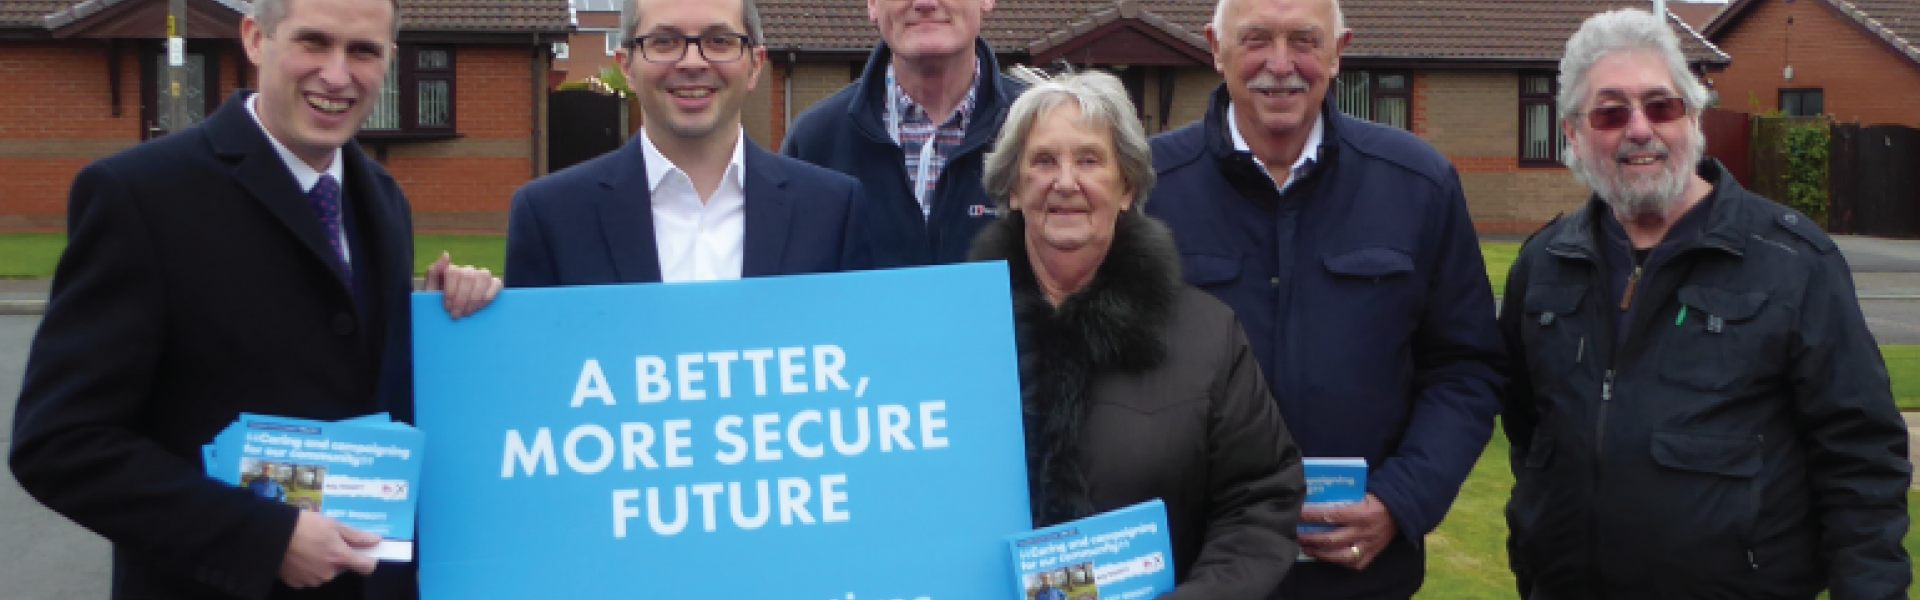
(1333, 482)
(1122, 554)
(361, 472)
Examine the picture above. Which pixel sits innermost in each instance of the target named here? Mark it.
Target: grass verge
(30, 255)
(1499, 257)
(1903, 368)
(488, 251)
(34, 255)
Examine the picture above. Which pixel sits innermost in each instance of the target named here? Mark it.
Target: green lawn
(1903, 368)
(33, 255)
(30, 255)
(1499, 256)
(488, 251)
(1467, 555)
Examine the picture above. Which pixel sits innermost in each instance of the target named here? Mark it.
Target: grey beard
(1653, 198)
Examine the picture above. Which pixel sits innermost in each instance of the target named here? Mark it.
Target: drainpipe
(786, 93)
(536, 85)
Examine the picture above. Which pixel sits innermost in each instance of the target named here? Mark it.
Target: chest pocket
(1375, 264)
(1555, 335)
(1371, 285)
(1717, 341)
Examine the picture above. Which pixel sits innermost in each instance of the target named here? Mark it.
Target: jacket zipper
(1612, 357)
(1606, 403)
(1633, 281)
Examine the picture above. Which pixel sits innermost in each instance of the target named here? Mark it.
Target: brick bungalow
(460, 124)
(1857, 60)
(1696, 14)
(590, 47)
(1473, 77)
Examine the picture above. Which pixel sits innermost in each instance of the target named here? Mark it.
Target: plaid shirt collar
(912, 113)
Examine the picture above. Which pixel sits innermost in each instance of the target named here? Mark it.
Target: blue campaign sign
(850, 436)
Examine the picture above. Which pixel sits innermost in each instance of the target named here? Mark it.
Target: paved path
(23, 296)
(43, 556)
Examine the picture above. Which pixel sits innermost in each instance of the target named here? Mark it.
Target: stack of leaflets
(360, 471)
(1331, 483)
(1123, 554)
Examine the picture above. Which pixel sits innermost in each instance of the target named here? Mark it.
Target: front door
(200, 90)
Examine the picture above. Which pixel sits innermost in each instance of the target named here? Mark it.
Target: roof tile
(1529, 30)
(490, 16)
(1898, 20)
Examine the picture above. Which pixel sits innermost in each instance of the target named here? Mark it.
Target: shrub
(1806, 176)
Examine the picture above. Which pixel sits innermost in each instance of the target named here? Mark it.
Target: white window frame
(613, 39)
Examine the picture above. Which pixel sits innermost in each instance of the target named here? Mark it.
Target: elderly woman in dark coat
(1134, 385)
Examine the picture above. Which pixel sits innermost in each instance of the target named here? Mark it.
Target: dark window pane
(1352, 94)
(1537, 127)
(1393, 82)
(432, 59)
(435, 101)
(386, 111)
(1813, 102)
(1536, 84)
(193, 91)
(1392, 113)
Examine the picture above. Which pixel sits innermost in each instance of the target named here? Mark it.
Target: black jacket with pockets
(1742, 442)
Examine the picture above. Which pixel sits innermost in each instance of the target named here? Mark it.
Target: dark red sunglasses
(1658, 110)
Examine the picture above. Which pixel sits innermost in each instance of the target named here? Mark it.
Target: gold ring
(1355, 549)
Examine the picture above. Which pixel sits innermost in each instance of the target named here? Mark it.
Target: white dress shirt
(305, 175)
(1308, 153)
(697, 241)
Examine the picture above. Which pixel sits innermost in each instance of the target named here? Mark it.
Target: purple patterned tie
(325, 200)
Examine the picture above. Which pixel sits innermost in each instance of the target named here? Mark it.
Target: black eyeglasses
(716, 48)
(1658, 110)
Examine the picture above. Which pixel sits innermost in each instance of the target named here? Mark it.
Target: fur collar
(1114, 324)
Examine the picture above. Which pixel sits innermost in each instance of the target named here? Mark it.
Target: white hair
(1625, 30)
(1103, 103)
(1220, 20)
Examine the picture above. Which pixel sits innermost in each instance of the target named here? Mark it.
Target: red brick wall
(586, 55)
(59, 117)
(1473, 117)
(1863, 80)
(468, 183)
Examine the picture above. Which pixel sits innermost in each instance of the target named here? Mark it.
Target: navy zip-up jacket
(845, 133)
(1364, 295)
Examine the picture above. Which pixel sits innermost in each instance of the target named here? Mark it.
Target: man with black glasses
(690, 198)
(1697, 409)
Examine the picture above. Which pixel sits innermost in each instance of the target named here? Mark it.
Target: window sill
(1542, 164)
(407, 136)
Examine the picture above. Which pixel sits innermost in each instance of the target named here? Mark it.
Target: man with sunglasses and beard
(1696, 407)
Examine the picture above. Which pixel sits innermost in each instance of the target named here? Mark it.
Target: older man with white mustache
(1697, 408)
(1345, 249)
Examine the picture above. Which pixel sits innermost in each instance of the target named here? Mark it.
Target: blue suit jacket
(593, 223)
